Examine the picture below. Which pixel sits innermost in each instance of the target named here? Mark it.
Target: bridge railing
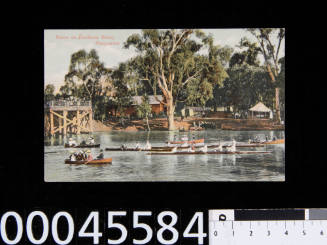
(65, 103)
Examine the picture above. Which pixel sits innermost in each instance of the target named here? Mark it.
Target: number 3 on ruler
(200, 235)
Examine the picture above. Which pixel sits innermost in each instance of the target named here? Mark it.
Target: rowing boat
(209, 152)
(169, 148)
(186, 142)
(271, 142)
(95, 161)
(83, 146)
(274, 142)
(125, 149)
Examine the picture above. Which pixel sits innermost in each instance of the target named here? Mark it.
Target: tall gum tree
(86, 68)
(168, 61)
(269, 48)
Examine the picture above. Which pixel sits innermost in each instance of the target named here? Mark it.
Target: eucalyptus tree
(87, 70)
(269, 42)
(49, 92)
(169, 61)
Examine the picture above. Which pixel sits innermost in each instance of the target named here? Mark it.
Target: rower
(174, 149)
(91, 141)
(192, 149)
(83, 142)
(71, 142)
(84, 155)
(89, 156)
(100, 156)
(137, 146)
(204, 149)
(233, 147)
(72, 156)
(219, 148)
(148, 145)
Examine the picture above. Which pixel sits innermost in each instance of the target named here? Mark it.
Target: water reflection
(137, 166)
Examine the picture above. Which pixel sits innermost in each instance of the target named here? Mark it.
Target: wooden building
(154, 101)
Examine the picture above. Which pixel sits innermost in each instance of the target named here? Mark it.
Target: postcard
(158, 105)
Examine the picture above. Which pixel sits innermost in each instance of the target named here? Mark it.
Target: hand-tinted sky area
(59, 45)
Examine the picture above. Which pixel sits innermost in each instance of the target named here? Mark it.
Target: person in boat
(91, 141)
(274, 138)
(137, 146)
(219, 148)
(174, 149)
(72, 156)
(267, 138)
(83, 142)
(204, 149)
(89, 156)
(100, 156)
(148, 145)
(83, 155)
(191, 149)
(233, 147)
(71, 142)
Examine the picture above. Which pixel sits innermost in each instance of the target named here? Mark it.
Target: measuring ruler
(265, 226)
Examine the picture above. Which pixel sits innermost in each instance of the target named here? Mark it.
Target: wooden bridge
(62, 117)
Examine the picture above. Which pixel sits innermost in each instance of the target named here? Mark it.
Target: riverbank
(188, 124)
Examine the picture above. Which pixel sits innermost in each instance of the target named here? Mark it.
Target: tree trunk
(170, 113)
(277, 116)
(147, 122)
(277, 105)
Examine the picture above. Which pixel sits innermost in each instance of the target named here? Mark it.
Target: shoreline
(190, 125)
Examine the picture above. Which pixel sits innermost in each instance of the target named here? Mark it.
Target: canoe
(209, 152)
(186, 141)
(83, 146)
(96, 161)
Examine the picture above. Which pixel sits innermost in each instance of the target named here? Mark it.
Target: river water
(137, 166)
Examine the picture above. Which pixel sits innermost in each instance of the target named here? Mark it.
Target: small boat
(209, 152)
(274, 142)
(269, 142)
(93, 162)
(83, 146)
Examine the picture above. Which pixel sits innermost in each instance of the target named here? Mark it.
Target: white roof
(260, 107)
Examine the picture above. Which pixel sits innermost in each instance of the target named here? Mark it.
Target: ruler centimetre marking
(266, 226)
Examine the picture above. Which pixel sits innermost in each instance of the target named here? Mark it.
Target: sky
(59, 45)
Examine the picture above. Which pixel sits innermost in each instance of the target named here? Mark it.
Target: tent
(260, 110)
